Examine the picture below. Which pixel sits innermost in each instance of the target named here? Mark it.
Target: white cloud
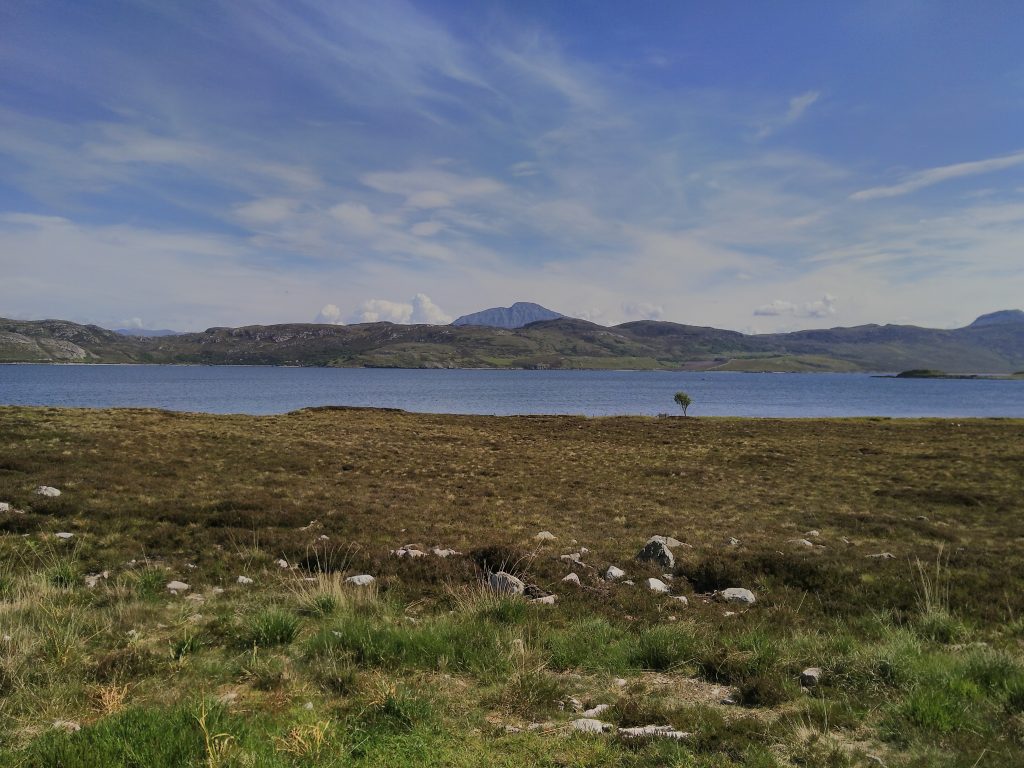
(330, 314)
(419, 309)
(823, 307)
(356, 218)
(426, 228)
(927, 178)
(267, 210)
(798, 105)
(429, 198)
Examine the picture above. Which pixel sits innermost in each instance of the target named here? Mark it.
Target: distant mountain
(999, 318)
(520, 314)
(985, 346)
(146, 333)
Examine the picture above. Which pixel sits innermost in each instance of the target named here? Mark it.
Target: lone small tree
(684, 401)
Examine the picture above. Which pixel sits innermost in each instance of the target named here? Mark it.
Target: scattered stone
(5, 506)
(613, 573)
(228, 698)
(68, 726)
(282, 563)
(882, 556)
(506, 582)
(92, 579)
(545, 536)
(64, 535)
(510, 729)
(629, 582)
(546, 600)
(666, 577)
(620, 682)
(308, 706)
(218, 590)
(323, 537)
(657, 585)
(408, 551)
(573, 704)
(584, 551)
(362, 580)
(733, 541)
(575, 557)
(177, 586)
(737, 595)
(195, 598)
(682, 599)
(47, 490)
(923, 518)
(657, 551)
(243, 580)
(439, 552)
(597, 710)
(802, 542)
(876, 760)
(572, 578)
(191, 566)
(590, 725)
(810, 677)
(812, 534)
(653, 731)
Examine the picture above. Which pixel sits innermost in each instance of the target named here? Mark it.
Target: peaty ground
(920, 647)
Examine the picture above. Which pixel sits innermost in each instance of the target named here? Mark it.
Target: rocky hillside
(994, 344)
(520, 314)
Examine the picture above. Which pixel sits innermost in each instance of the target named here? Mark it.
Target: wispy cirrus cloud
(798, 105)
(921, 179)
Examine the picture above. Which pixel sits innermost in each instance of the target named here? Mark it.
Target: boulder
(658, 552)
(614, 573)
(801, 542)
(546, 600)
(574, 557)
(545, 536)
(441, 552)
(590, 725)
(408, 551)
(733, 541)
(243, 580)
(738, 595)
(668, 541)
(362, 580)
(5, 506)
(174, 587)
(282, 563)
(597, 710)
(506, 583)
(572, 578)
(810, 677)
(47, 490)
(657, 585)
(64, 535)
(682, 599)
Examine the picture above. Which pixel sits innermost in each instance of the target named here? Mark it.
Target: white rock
(733, 541)
(47, 490)
(653, 731)
(573, 704)
(572, 578)
(191, 566)
(64, 535)
(177, 586)
(614, 573)
(668, 541)
(282, 563)
(410, 552)
(92, 579)
(545, 536)
(574, 557)
(801, 542)
(656, 585)
(882, 556)
(682, 599)
(308, 706)
(218, 590)
(362, 580)
(590, 725)
(243, 580)
(68, 726)
(440, 552)
(812, 534)
(196, 598)
(629, 582)
(546, 600)
(5, 506)
(810, 677)
(323, 537)
(738, 595)
(620, 682)
(506, 582)
(597, 710)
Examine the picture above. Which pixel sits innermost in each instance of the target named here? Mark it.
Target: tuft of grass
(272, 626)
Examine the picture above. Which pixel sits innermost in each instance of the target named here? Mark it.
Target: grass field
(921, 650)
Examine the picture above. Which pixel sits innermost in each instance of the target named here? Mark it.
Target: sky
(746, 165)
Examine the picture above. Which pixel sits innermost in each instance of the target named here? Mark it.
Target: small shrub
(186, 645)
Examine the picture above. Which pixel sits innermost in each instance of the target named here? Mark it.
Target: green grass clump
(271, 626)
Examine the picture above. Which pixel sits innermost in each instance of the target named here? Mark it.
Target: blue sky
(749, 165)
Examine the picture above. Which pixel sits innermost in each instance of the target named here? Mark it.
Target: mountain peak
(519, 314)
(1001, 317)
